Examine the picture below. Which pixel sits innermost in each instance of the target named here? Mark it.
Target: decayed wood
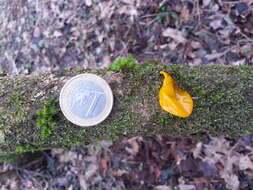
(223, 105)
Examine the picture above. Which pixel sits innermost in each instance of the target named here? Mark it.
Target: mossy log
(223, 105)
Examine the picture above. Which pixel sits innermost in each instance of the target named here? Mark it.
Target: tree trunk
(223, 105)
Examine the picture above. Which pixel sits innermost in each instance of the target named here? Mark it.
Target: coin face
(86, 100)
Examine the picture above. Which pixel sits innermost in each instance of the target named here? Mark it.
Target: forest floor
(52, 35)
(139, 163)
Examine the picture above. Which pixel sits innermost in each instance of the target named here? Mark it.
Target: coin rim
(95, 120)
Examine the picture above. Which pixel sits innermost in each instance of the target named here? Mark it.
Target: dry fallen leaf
(119, 172)
(245, 163)
(185, 15)
(176, 35)
(88, 3)
(239, 62)
(107, 9)
(186, 187)
(91, 170)
(206, 3)
(104, 164)
(215, 24)
(68, 156)
(82, 182)
(134, 145)
(163, 187)
(197, 150)
(232, 181)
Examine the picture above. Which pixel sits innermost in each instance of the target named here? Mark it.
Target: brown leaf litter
(161, 163)
(45, 36)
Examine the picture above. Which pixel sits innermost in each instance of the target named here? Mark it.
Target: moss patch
(8, 158)
(46, 118)
(124, 63)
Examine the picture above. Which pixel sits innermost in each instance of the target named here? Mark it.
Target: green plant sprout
(124, 63)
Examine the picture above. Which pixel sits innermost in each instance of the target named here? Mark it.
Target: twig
(244, 35)
(211, 57)
(29, 172)
(163, 2)
(198, 10)
(231, 2)
(151, 22)
(156, 14)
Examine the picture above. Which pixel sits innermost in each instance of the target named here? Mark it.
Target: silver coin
(86, 100)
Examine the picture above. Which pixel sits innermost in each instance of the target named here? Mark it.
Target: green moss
(46, 118)
(16, 101)
(27, 148)
(199, 90)
(8, 158)
(123, 63)
(21, 149)
(113, 138)
(151, 62)
(80, 70)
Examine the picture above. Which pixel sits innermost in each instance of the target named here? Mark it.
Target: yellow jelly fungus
(173, 99)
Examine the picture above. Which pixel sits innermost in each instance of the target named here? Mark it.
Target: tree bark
(223, 105)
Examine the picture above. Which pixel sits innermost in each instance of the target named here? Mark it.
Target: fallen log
(30, 117)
